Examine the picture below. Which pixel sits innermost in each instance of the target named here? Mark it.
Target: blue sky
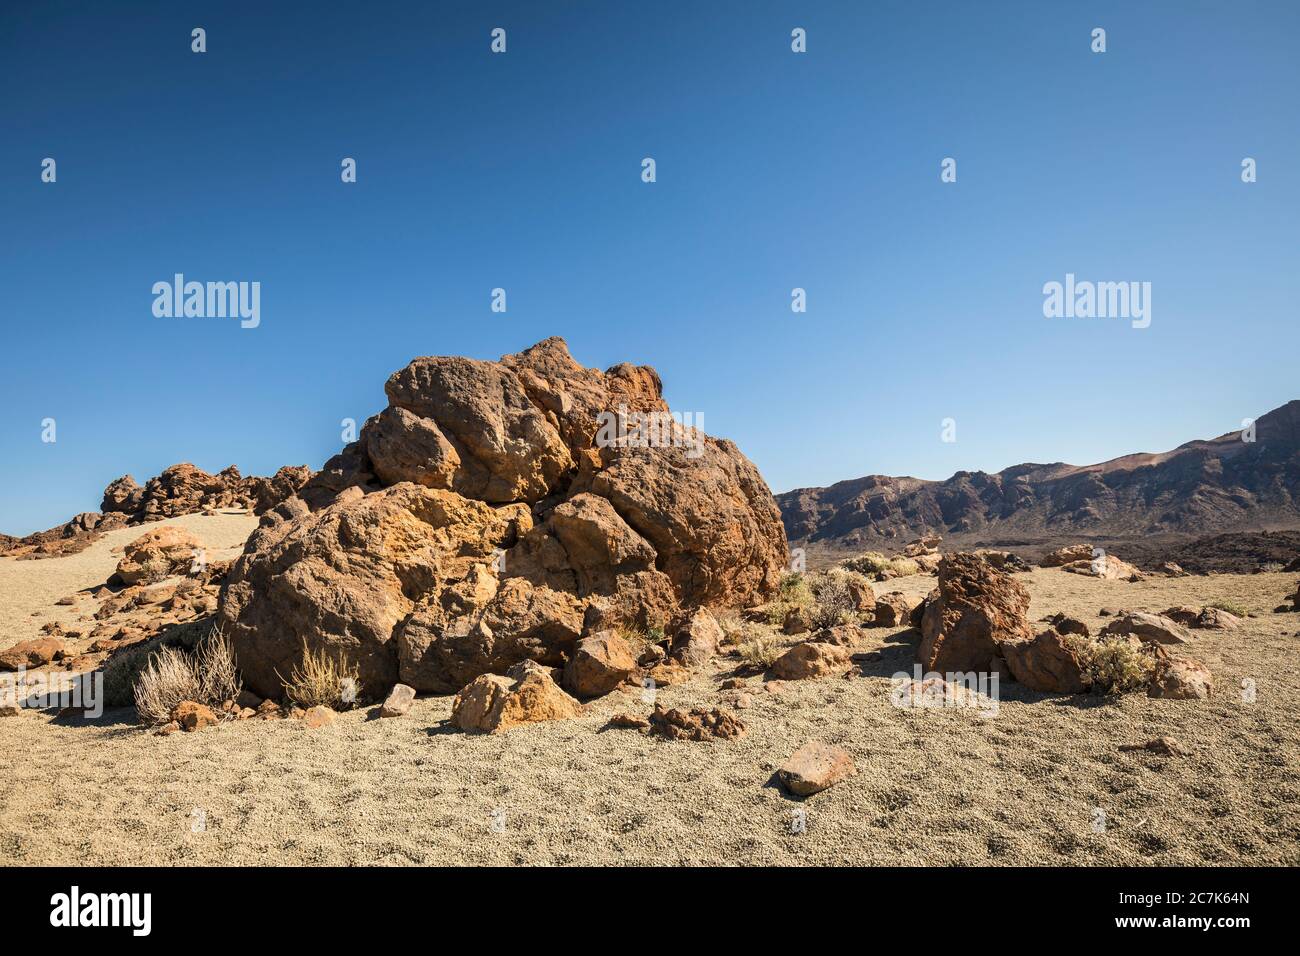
(522, 171)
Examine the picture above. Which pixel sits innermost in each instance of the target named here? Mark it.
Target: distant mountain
(1222, 484)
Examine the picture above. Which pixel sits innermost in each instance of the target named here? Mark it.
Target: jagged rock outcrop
(486, 516)
(978, 609)
(183, 489)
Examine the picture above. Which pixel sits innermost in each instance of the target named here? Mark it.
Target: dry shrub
(207, 675)
(793, 592)
(760, 651)
(903, 567)
(321, 680)
(835, 603)
(1234, 609)
(154, 569)
(1114, 666)
(733, 628)
(871, 562)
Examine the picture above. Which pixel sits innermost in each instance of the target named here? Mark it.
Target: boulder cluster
(485, 518)
(180, 490)
(977, 620)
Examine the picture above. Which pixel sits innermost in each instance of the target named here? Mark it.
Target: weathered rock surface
(1049, 663)
(158, 553)
(815, 767)
(600, 663)
(977, 609)
(811, 660)
(893, 610)
(183, 489)
(1148, 627)
(699, 723)
(492, 703)
(1182, 679)
(483, 518)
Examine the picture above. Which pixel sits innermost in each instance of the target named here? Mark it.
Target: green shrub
(871, 562)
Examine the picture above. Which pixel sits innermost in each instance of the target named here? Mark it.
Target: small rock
(319, 716)
(247, 698)
(814, 767)
(631, 721)
(398, 701)
(1182, 679)
(193, 716)
(10, 710)
(697, 724)
(168, 729)
(1164, 746)
(811, 660)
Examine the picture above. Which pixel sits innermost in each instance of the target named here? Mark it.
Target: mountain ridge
(1203, 485)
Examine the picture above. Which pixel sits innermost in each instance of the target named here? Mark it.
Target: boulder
(1106, 567)
(485, 518)
(811, 660)
(978, 608)
(1182, 679)
(1067, 555)
(1152, 628)
(33, 653)
(1063, 624)
(697, 639)
(158, 553)
(398, 702)
(492, 703)
(1049, 663)
(815, 767)
(893, 610)
(1216, 619)
(600, 663)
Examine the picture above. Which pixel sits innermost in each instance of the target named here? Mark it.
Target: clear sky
(775, 170)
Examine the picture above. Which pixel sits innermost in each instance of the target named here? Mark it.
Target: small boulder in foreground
(492, 703)
(815, 767)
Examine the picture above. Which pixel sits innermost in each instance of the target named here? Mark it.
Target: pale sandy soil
(32, 587)
(935, 787)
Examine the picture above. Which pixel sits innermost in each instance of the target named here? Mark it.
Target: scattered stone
(733, 683)
(1067, 555)
(697, 640)
(10, 710)
(1171, 569)
(269, 710)
(1105, 567)
(811, 660)
(492, 703)
(697, 724)
(815, 767)
(1216, 619)
(842, 635)
(893, 610)
(167, 729)
(319, 716)
(398, 702)
(1049, 664)
(33, 653)
(1164, 746)
(191, 716)
(1063, 624)
(1153, 628)
(158, 553)
(630, 721)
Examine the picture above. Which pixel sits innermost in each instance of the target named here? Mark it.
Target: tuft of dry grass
(760, 651)
(208, 675)
(319, 679)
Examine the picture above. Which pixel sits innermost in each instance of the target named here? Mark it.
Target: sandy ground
(30, 588)
(1030, 785)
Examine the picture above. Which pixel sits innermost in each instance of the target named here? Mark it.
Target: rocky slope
(1222, 484)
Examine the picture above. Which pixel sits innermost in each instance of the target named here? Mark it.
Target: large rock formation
(489, 515)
